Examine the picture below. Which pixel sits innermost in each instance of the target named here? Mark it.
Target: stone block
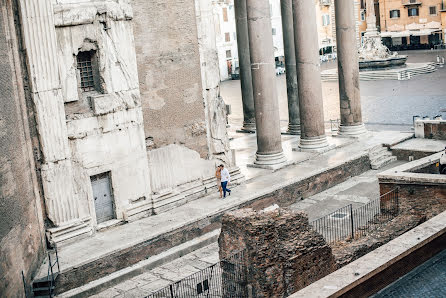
(282, 254)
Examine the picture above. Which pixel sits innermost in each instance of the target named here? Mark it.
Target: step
(383, 163)
(42, 292)
(378, 157)
(117, 277)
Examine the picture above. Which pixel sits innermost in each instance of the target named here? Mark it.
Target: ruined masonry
(282, 254)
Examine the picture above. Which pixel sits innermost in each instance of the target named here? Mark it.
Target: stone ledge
(345, 280)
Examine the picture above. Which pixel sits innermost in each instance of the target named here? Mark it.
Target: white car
(280, 70)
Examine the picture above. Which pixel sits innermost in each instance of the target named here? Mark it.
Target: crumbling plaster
(105, 130)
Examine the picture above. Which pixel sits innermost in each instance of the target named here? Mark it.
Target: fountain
(373, 54)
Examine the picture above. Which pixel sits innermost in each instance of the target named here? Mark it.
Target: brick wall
(169, 73)
(435, 131)
(282, 253)
(21, 225)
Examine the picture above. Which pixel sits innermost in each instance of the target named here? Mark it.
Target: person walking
(443, 162)
(225, 179)
(218, 176)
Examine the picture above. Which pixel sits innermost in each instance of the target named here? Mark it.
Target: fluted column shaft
(241, 23)
(290, 65)
(269, 142)
(308, 71)
(348, 69)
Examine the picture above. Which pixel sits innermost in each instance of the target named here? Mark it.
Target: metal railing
(227, 278)
(51, 272)
(348, 223)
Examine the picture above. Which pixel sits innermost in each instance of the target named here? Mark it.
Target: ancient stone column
(308, 71)
(290, 66)
(348, 70)
(269, 143)
(241, 23)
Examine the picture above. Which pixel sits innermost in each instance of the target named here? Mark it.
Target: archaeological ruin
(113, 121)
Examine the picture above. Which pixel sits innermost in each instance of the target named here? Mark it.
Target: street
(384, 102)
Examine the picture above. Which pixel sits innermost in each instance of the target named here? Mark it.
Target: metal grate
(85, 67)
(227, 278)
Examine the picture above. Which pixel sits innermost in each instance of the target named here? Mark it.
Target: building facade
(411, 24)
(127, 115)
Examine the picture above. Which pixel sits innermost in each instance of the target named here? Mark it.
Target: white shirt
(225, 175)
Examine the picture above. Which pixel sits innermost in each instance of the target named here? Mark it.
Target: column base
(293, 129)
(247, 128)
(352, 131)
(269, 161)
(317, 144)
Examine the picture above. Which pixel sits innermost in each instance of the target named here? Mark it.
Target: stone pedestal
(290, 66)
(308, 71)
(241, 23)
(269, 143)
(348, 70)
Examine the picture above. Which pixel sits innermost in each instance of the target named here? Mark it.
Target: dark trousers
(224, 186)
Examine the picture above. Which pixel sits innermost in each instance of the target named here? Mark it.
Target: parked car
(280, 70)
(235, 75)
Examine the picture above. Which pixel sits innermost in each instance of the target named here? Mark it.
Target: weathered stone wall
(402, 154)
(21, 224)
(169, 73)
(283, 254)
(435, 131)
(105, 129)
(430, 129)
(423, 201)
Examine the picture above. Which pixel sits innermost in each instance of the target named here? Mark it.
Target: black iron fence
(227, 278)
(348, 223)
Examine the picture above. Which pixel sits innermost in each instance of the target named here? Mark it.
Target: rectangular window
(433, 10)
(413, 12)
(227, 37)
(395, 14)
(325, 19)
(274, 31)
(362, 15)
(225, 14)
(234, 35)
(85, 68)
(228, 54)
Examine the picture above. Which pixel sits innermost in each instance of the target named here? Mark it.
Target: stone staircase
(396, 74)
(380, 156)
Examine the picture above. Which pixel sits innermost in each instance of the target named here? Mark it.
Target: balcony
(325, 2)
(411, 2)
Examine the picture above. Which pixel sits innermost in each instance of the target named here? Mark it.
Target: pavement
(357, 191)
(427, 280)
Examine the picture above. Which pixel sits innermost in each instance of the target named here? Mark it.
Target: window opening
(85, 67)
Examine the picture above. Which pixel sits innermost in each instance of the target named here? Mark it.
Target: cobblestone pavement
(427, 280)
(153, 280)
(383, 102)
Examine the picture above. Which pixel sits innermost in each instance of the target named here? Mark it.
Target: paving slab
(425, 145)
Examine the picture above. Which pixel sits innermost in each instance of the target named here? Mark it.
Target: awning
(323, 46)
(406, 33)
